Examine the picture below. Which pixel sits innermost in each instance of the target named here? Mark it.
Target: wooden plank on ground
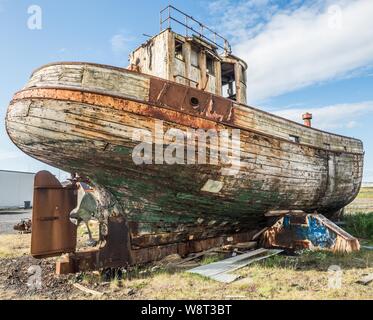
(366, 280)
(86, 290)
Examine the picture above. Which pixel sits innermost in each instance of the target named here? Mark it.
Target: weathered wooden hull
(81, 117)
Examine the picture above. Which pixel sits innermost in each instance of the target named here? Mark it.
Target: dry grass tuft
(14, 245)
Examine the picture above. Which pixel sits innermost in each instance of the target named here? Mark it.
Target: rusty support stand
(115, 253)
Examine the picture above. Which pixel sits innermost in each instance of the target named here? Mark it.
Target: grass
(280, 277)
(116, 283)
(365, 193)
(211, 259)
(363, 202)
(14, 245)
(321, 260)
(360, 225)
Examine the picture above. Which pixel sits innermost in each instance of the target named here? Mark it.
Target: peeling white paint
(213, 186)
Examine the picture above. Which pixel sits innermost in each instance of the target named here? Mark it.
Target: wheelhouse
(200, 59)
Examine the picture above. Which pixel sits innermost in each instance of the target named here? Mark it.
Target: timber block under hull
(116, 255)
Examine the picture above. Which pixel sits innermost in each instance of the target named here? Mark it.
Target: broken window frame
(212, 60)
(227, 85)
(179, 50)
(196, 51)
(294, 138)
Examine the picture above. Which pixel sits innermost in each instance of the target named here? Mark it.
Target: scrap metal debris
(242, 246)
(257, 235)
(366, 279)
(194, 260)
(24, 226)
(195, 256)
(221, 270)
(309, 231)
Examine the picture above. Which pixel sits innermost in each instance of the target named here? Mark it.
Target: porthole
(194, 102)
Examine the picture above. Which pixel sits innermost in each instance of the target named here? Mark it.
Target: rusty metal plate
(195, 101)
(224, 108)
(52, 231)
(115, 253)
(191, 101)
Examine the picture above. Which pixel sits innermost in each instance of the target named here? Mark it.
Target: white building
(15, 189)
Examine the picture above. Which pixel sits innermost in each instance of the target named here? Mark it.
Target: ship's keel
(55, 235)
(113, 255)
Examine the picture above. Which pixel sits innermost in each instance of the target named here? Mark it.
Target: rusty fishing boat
(80, 117)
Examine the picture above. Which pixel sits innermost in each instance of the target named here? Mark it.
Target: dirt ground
(304, 276)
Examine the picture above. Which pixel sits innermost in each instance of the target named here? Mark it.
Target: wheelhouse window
(293, 138)
(179, 50)
(228, 81)
(194, 57)
(210, 65)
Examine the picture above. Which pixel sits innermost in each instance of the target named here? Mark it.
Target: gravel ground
(14, 277)
(15, 281)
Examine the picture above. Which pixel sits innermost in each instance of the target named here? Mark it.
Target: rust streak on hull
(118, 104)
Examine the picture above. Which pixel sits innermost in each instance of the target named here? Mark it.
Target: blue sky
(303, 55)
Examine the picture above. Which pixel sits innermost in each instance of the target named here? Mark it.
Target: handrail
(222, 44)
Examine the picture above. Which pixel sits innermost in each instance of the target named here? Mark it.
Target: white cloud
(332, 117)
(301, 44)
(120, 44)
(243, 19)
